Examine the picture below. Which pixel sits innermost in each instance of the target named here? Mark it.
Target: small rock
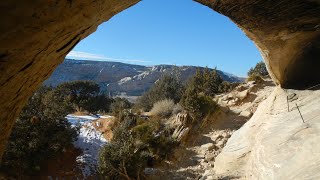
(220, 144)
(240, 88)
(229, 97)
(224, 134)
(243, 94)
(231, 103)
(246, 114)
(228, 135)
(208, 146)
(217, 137)
(210, 157)
(236, 111)
(183, 134)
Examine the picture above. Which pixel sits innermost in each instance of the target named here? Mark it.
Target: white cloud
(85, 55)
(90, 56)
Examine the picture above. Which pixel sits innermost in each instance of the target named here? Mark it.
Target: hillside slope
(118, 77)
(196, 155)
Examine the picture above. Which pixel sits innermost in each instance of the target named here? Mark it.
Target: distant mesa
(119, 78)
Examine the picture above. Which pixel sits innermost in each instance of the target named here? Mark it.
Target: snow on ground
(89, 141)
(124, 80)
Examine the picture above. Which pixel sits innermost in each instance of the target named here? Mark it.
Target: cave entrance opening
(37, 36)
(153, 33)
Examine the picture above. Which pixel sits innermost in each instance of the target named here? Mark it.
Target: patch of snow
(105, 116)
(124, 80)
(89, 141)
(76, 120)
(142, 75)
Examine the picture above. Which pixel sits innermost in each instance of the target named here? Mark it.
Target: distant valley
(120, 78)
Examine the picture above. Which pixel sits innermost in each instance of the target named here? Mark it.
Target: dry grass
(80, 113)
(163, 108)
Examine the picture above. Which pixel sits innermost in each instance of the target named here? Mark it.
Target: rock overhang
(36, 36)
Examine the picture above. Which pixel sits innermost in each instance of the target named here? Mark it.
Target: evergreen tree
(198, 79)
(195, 103)
(75, 95)
(259, 69)
(168, 87)
(215, 82)
(207, 81)
(39, 134)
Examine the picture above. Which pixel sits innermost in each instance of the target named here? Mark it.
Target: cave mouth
(199, 38)
(37, 36)
(304, 72)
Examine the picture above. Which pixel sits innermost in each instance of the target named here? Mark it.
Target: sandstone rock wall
(34, 39)
(287, 33)
(275, 143)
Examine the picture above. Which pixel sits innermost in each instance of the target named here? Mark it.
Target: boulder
(207, 147)
(246, 114)
(242, 95)
(210, 157)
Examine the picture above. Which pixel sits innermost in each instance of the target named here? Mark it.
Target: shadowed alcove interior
(36, 37)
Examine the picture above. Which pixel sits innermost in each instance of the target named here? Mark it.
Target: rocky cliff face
(117, 77)
(36, 36)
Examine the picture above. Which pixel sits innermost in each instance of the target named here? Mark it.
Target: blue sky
(180, 32)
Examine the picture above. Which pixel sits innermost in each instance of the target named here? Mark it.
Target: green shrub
(122, 157)
(163, 108)
(168, 87)
(162, 145)
(211, 82)
(132, 149)
(156, 137)
(144, 132)
(197, 104)
(255, 77)
(259, 69)
(83, 95)
(226, 86)
(120, 108)
(40, 133)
